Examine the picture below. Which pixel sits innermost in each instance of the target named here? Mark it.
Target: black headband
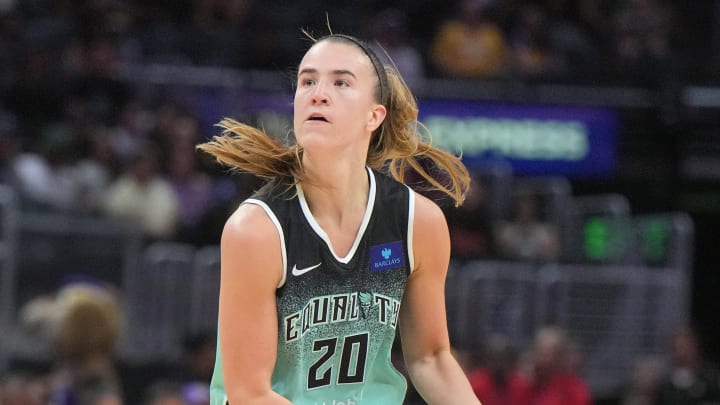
(377, 64)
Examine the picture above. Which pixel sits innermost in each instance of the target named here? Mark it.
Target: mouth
(317, 117)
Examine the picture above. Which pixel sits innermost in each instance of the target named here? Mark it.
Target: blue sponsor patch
(387, 256)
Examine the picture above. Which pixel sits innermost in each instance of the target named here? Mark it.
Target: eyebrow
(336, 72)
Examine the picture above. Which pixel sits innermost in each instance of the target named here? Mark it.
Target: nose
(319, 94)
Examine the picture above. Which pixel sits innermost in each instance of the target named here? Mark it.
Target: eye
(306, 82)
(341, 83)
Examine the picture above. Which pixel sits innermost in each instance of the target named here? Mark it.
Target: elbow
(428, 359)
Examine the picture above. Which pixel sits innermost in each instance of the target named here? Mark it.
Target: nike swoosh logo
(300, 272)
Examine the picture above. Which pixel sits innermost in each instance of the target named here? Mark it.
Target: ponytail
(401, 145)
(247, 149)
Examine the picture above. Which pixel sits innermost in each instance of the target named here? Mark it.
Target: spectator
(44, 177)
(9, 149)
(91, 79)
(164, 123)
(525, 236)
(88, 318)
(211, 13)
(389, 31)
(193, 190)
(192, 380)
(575, 357)
(200, 352)
(164, 392)
(470, 225)
(220, 25)
(531, 54)
(642, 38)
(227, 193)
(94, 173)
(143, 199)
(552, 383)
(497, 381)
(571, 41)
(169, 392)
(18, 388)
(691, 379)
(128, 136)
(196, 393)
(643, 386)
(471, 45)
(185, 133)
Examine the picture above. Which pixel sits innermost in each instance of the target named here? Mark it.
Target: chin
(314, 141)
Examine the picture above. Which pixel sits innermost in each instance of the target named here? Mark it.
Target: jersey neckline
(363, 225)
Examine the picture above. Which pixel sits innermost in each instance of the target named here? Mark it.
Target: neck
(335, 192)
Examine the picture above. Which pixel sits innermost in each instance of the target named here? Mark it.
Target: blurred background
(586, 252)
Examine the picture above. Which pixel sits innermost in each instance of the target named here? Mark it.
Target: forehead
(330, 55)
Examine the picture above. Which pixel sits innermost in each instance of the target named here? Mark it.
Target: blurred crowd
(75, 138)
(82, 320)
(550, 372)
(460, 38)
(82, 323)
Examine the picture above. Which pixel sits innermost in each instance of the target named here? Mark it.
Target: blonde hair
(89, 324)
(399, 144)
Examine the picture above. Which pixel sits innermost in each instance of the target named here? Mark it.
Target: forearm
(440, 380)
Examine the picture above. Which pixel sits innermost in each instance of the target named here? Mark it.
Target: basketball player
(322, 265)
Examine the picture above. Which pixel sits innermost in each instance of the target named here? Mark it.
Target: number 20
(355, 345)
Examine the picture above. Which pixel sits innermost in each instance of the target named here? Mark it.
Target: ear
(376, 118)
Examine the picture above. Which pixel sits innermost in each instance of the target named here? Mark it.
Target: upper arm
(423, 324)
(251, 269)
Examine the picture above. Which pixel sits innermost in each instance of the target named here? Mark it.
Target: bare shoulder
(431, 239)
(428, 213)
(251, 242)
(249, 224)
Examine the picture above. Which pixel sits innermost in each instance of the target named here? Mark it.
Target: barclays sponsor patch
(387, 256)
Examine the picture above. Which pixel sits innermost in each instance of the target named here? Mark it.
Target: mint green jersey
(338, 316)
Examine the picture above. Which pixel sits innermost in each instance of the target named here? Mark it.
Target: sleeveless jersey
(337, 316)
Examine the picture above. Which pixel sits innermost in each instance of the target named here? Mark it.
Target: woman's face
(335, 106)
